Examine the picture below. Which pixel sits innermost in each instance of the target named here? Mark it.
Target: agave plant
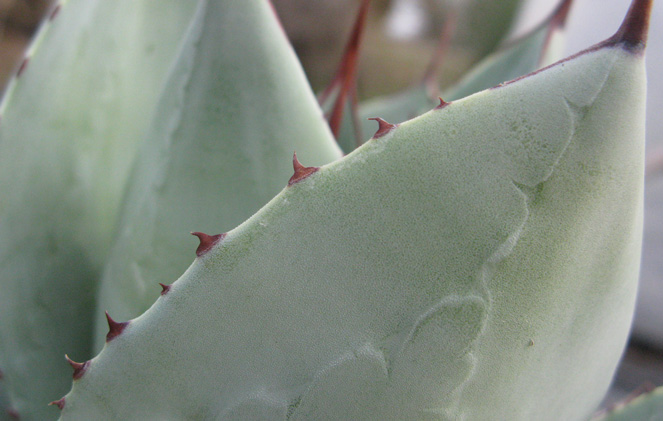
(479, 261)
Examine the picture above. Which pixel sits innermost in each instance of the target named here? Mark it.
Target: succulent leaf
(236, 106)
(463, 265)
(70, 124)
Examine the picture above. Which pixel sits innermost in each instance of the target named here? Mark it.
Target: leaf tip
(114, 328)
(383, 127)
(300, 172)
(206, 242)
(632, 34)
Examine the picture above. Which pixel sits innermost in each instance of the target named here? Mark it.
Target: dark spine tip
(301, 172)
(442, 104)
(79, 368)
(59, 403)
(164, 288)
(632, 34)
(206, 242)
(114, 328)
(24, 65)
(383, 127)
(13, 414)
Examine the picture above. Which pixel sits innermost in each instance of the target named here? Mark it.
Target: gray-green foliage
(69, 130)
(463, 265)
(447, 269)
(219, 148)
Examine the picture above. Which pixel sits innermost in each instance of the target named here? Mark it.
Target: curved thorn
(114, 328)
(79, 368)
(442, 104)
(164, 288)
(301, 172)
(383, 127)
(59, 403)
(206, 242)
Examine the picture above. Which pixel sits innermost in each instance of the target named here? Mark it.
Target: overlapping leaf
(70, 125)
(236, 107)
(462, 265)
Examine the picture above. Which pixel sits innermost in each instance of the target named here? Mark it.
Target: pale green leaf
(70, 124)
(467, 264)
